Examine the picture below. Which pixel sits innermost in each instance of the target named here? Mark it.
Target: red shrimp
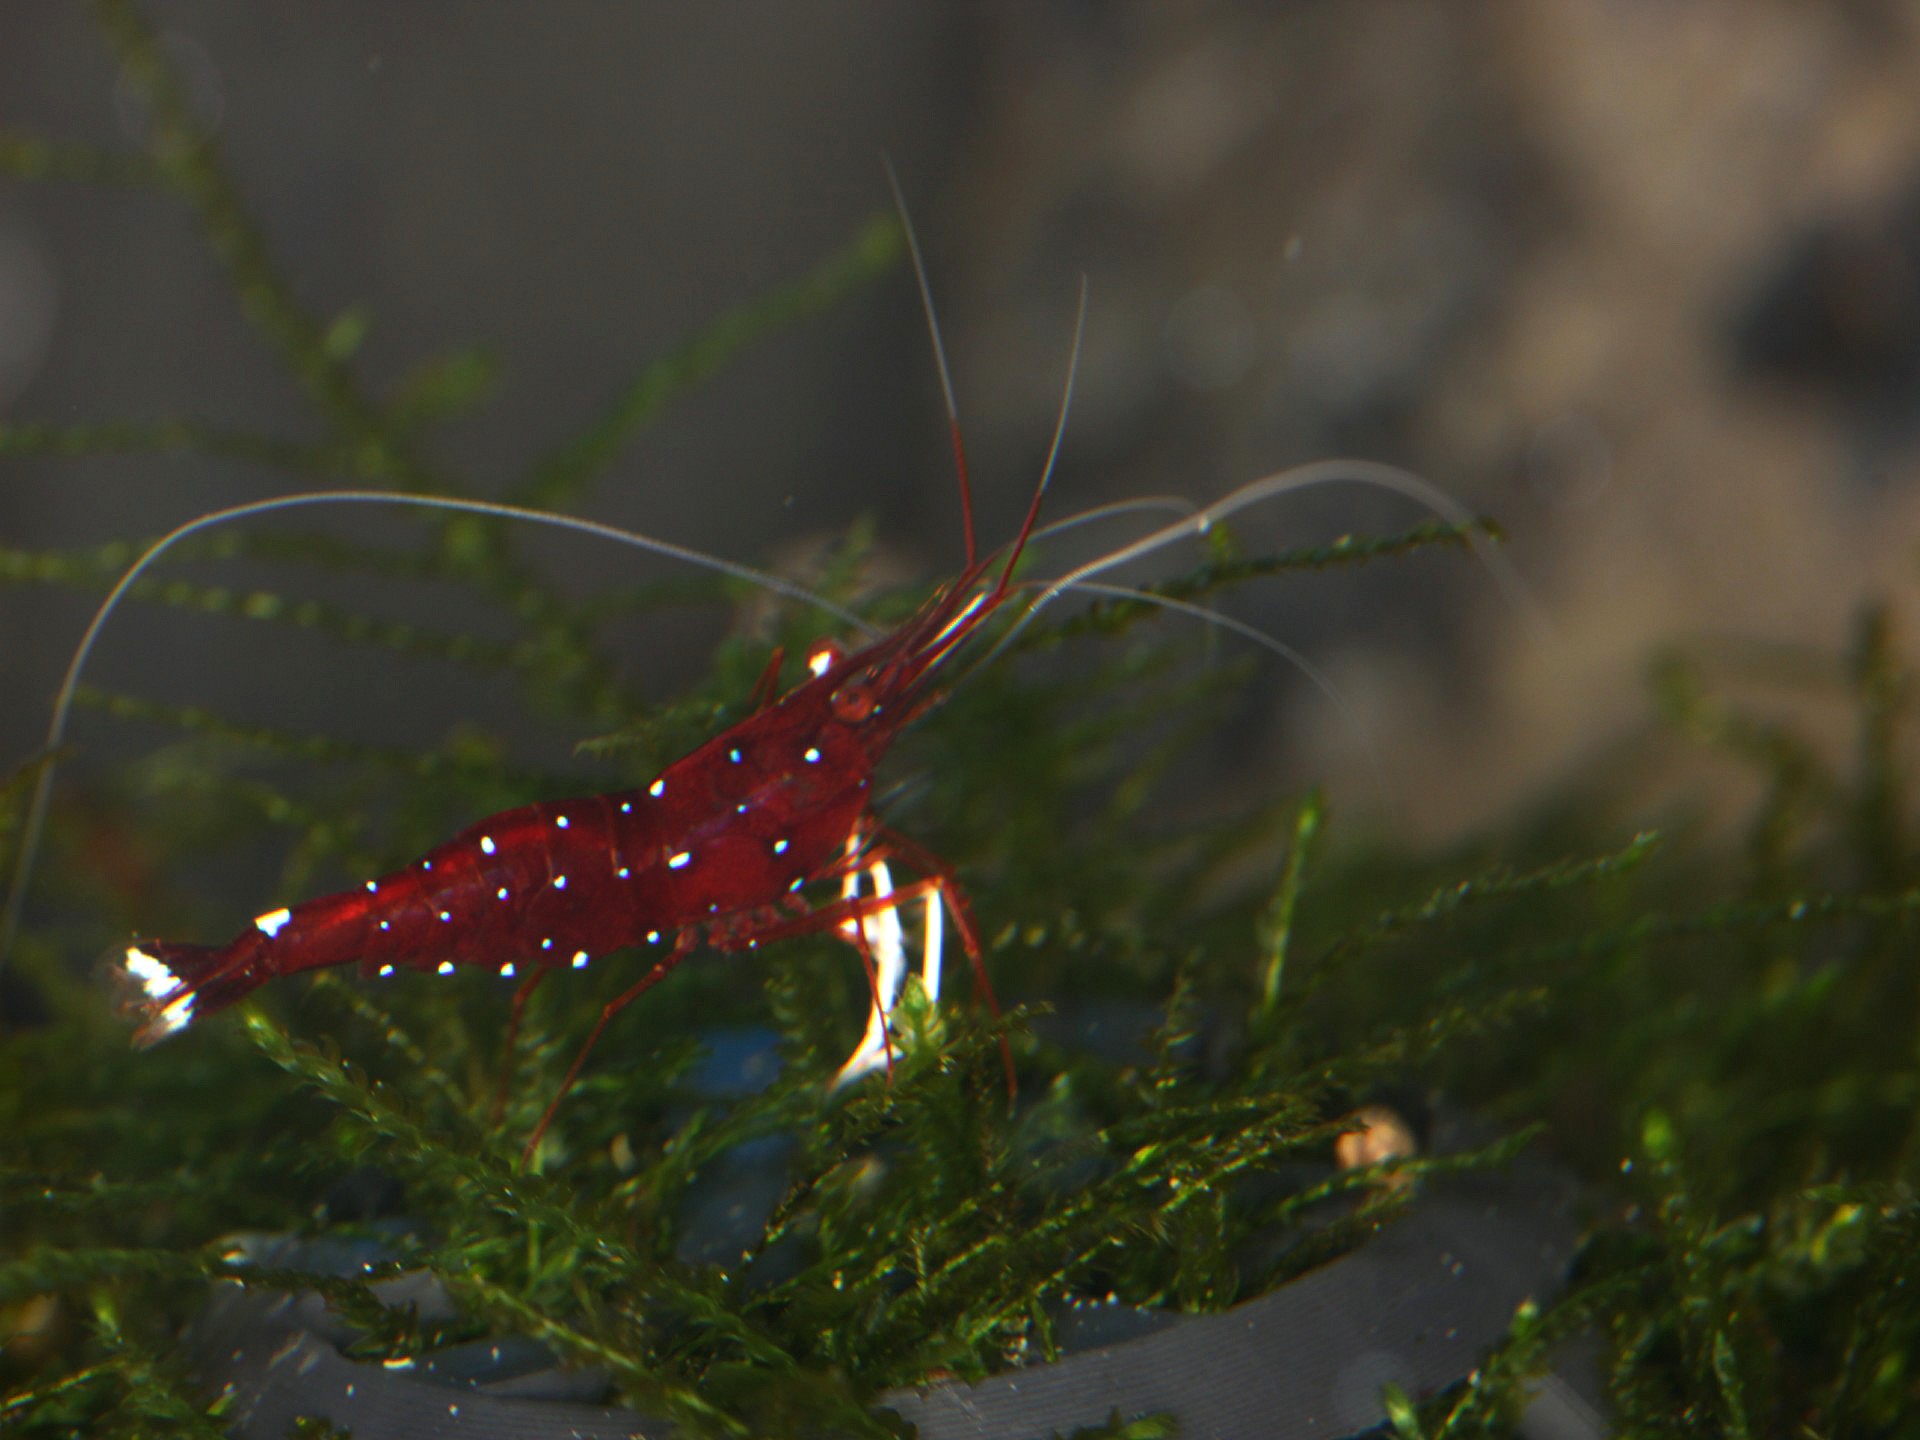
(719, 848)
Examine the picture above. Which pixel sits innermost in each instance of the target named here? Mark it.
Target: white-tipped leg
(888, 940)
(935, 935)
(886, 943)
(861, 1060)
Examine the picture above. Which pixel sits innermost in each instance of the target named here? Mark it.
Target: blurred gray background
(1640, 280)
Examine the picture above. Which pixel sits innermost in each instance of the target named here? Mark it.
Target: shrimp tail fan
(166, 985)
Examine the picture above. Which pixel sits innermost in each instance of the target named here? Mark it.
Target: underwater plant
(1718, 1040)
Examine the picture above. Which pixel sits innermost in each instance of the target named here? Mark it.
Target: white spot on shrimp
(487, 847)
(506, 971)
(157, 980)
(653, 937)
(812, 757)
(501, 892)
(385, 970)
(373, 887)
(657, 789)
(734, 755)
(798, 881)
(386, 924)
(779, 847)
(580, 958)
(547, 944)
(271, 923)
(626, 807)
(446, 917)
(559, 882)
(154, 977)
(680, 861)
(426, 864)
(741, 808)
(820, 662)
(624, 872)
(561, 821)
(446, 967)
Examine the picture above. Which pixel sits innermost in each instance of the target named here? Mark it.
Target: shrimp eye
(852, 702)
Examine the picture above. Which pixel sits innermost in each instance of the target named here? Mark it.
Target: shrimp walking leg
(867, 933)
(875, 1049)
(939, 888)
(879, 938)
(522, 993)
(683, 947)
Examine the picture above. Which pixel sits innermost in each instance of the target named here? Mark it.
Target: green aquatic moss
(1720, 1040)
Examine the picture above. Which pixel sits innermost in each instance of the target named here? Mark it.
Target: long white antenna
(1053, 449)
(1306, 477)
(939, 352)
(1315, 675)
(1145, 504)
(926, 291)
(63, 700)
